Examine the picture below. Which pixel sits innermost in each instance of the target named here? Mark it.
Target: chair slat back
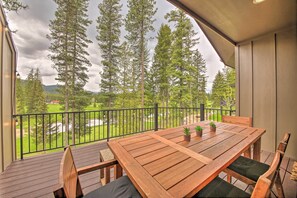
(284, 143)
(266, 181)
(244, 121)
(68, 178)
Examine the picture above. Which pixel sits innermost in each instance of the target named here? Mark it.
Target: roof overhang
(228, 22)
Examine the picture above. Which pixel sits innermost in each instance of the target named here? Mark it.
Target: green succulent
(198, 128)
(187, 131)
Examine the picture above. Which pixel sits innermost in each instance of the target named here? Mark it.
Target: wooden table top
(162, 164)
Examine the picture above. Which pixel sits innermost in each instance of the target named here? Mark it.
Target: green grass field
(92, 134)
(55, 108)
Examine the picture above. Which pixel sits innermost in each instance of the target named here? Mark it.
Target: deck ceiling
(228, 22)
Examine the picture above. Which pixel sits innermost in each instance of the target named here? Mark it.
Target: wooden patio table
(162, 164)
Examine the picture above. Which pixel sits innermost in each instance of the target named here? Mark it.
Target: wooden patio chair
(69, 185)
(244, 121)
(220, 188)
(249, 171)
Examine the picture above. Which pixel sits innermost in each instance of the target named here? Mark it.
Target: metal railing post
(201, 112)
(21, 131)
(73, 128)
(108, 125)
(230, 111)
(156, 117)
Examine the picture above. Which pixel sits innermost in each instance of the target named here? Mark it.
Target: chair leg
(229, 178)
(107, 175)
(118, 171)
(279, 186)
(102, 169)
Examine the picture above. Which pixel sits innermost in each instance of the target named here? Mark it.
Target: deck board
(37, 176)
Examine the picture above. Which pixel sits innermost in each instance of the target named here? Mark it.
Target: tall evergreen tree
(223, 88)
(160, 71)
(35, 95)
(138, 23)
(28, 89)
(20, 97)
(14, 5)
(109, 23)
(229, 98)
(181, 59)
(68, 46)
(36, 103)
(125, 96)
(218, 90)
(200, 79)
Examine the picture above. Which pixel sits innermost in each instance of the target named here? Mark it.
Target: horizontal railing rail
(39, 132)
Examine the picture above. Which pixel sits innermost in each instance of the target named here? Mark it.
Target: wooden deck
(37, 176)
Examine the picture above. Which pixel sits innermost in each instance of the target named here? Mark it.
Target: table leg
(257, 150)
(247, 153)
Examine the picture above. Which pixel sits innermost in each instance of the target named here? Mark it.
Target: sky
(31, 26)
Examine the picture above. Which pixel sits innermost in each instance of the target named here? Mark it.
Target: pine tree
(20, 97)
(14, 5)
(200, 79)
(35, 100)
(223, 88)
(138, 23)
(125, 96)
(36, 104)
(30, 97)
(109, 23)
(39, 95)
(80, 62)
(230, 87)
(181, 59)
(218, 90)
(160, 71)
(68, 46)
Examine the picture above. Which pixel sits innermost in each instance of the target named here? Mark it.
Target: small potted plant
(213, 127)
(198, 130)
(187, 134)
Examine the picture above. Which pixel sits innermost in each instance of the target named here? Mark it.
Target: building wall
(1, 96)
(7, 86)
(267, 86)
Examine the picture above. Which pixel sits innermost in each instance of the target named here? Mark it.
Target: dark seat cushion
(220, 188)
(249, 168)
(121, 187)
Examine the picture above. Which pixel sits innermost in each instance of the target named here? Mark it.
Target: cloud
(32, 44)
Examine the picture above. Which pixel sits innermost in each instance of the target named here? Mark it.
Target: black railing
(48, 131)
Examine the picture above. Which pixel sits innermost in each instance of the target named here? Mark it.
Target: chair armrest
(94, 167)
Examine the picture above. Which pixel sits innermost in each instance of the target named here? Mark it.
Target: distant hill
(53, 89)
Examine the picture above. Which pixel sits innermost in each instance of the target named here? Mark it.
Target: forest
(174, 74)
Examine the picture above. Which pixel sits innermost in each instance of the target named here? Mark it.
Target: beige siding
(286, 49)
(264, 97)
(268, 86)
(1, 128)
(7, 103)
(7, 86)
(245, 75)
